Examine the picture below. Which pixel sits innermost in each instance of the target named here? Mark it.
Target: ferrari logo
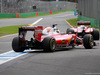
(63, 41)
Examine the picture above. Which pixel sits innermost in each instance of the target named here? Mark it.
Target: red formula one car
(48, 39)
(84, 28)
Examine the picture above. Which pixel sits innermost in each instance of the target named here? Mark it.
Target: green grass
(7, 18)
(73, 21)
(1, 35)
(10, 29)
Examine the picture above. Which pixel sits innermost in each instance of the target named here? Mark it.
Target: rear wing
(37, 32)
(84, 23)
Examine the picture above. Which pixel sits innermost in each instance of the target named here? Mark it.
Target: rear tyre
(95, 34)
(94, 44)
(69, 31)
(16, 45)
(88, 41)
(49, 44)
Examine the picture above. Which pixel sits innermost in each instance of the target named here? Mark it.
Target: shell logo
(69, 39)
(63, 41)
(48, 30)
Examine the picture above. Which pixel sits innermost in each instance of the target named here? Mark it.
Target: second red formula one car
(83, 27)
(48, 41)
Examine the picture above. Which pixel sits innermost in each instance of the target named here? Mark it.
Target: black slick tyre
(16, 45)
(88, 41)
(95, 34)
(49, 44)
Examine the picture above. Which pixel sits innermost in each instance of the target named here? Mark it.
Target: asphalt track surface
(77, 61)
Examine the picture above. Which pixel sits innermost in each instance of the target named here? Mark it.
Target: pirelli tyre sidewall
(49, 44)
(16, 45)
(88, 41)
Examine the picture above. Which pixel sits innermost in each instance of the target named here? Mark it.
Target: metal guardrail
(89, 10)
(27, 6)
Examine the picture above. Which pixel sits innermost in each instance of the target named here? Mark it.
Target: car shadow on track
(60, 50)
(57, 50)
(85, 49)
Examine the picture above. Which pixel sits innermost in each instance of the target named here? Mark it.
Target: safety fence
(89, 10)
(22, 15)
(94, 22)
(27, 6)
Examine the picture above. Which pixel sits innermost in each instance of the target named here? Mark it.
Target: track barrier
(37, 14)
(22, 15)
(17, 15)
(50, 12)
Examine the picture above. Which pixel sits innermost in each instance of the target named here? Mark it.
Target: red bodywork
(83, 28)
(61, 39)
(79, 30)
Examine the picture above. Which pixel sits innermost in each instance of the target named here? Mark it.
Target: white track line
(36, 22)
(10, 55)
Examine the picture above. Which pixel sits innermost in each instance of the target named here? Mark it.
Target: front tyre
(88, 41)
(16, 45)
(95, 34)
(49, 44)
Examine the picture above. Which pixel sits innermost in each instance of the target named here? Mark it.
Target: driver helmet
(55, 29)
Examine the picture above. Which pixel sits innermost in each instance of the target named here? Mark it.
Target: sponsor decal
(69, 39)
(63, 41)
